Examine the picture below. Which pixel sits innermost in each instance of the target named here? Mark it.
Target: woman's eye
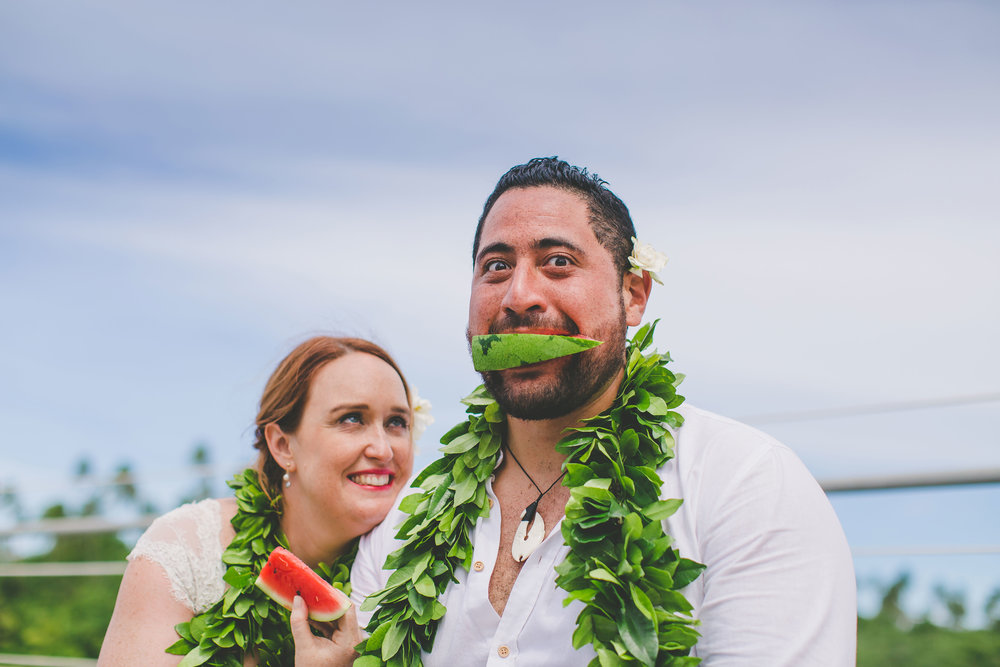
(351, 418)
(398, 422)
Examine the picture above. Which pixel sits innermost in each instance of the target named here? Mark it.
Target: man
(551, 255)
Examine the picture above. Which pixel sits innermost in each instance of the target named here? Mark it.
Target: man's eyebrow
(498, 247)
(541, 244)
(555, 242)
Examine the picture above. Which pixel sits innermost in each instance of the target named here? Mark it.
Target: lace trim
(186, 543)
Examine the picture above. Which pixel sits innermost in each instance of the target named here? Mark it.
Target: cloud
(187, 190)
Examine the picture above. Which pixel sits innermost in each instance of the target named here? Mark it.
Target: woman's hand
(335, 650)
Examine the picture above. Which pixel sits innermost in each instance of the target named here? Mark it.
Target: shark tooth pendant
(526, 541)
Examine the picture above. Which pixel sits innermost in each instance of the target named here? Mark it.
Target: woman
(335, 442)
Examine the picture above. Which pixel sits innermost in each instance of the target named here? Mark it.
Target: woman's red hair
(287, 391)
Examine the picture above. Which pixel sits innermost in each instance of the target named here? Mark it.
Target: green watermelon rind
(291, 566)
(497, 352)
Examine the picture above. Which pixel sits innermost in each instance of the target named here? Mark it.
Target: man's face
(541, 269)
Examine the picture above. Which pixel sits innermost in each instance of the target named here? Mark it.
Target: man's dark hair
(609, 217)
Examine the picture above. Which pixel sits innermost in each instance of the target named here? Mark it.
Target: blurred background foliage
(67, 616)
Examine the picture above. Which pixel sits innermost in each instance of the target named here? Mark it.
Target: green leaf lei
(620, 565)
(246, 621)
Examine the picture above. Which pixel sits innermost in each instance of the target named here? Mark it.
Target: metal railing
(912, 480)
(19, 660)
(84, 525)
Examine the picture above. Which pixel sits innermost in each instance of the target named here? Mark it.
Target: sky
(188, 190)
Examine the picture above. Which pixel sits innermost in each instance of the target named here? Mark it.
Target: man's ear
(635, 296)
(280, 446)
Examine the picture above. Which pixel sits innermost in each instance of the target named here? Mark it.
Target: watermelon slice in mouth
(497, 352)
(284, 576)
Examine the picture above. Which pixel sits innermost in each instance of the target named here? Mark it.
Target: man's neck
(534, 441)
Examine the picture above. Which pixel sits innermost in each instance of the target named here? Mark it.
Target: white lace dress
(187, 543)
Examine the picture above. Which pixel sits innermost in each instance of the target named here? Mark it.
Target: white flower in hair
(421, 415)
(645, 257)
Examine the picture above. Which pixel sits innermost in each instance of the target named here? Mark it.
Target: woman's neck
(311, 538)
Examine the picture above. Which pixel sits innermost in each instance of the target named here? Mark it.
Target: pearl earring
(286, 480)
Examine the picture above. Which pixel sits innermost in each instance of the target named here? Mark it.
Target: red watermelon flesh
(284, 576)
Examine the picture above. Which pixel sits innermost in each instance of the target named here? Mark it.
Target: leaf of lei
(620, 565)
(246, 621)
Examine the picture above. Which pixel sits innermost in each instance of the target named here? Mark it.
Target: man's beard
(579, 379)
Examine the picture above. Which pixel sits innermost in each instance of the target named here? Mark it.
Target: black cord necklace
(525, 541)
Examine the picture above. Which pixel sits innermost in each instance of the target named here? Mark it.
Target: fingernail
(298, 602)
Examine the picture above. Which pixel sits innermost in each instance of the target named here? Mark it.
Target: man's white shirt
(778, 588)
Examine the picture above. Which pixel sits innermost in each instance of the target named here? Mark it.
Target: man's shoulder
(703, 429)
(719, 448)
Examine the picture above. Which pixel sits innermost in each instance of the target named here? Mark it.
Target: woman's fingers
(313, 651)
(324, 628)
(347, 634)
(299, 621)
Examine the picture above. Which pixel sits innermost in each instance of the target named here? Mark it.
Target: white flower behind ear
(421, 415)
(645, 257)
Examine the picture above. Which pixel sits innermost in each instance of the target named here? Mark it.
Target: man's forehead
(541, 199)
(538, 215)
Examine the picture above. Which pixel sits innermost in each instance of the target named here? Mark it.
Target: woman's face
(353, 451)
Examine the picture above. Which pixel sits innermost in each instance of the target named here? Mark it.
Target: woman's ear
(280, 446)
(635, 295)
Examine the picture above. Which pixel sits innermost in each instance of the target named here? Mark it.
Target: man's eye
(495, 265)
(560, 261)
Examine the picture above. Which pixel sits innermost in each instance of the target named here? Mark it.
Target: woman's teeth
(371, 480)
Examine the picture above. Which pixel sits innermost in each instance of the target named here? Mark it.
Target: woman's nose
(378, 447)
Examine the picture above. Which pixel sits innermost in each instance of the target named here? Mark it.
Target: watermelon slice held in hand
(284, 576)
(497, 352)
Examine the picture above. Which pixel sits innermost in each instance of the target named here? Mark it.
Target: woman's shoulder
(187, 543)
(227, 510)
(185, 521)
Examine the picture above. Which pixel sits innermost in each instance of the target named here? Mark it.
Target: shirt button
(478, 566)
(503, 651)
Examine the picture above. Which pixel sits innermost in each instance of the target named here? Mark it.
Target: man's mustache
(513, 321)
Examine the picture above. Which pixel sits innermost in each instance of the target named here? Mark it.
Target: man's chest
(506, 568)
(535, 627)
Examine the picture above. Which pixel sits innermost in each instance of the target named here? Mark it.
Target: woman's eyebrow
(348, 406)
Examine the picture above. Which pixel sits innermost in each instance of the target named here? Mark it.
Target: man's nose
(524, 291)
